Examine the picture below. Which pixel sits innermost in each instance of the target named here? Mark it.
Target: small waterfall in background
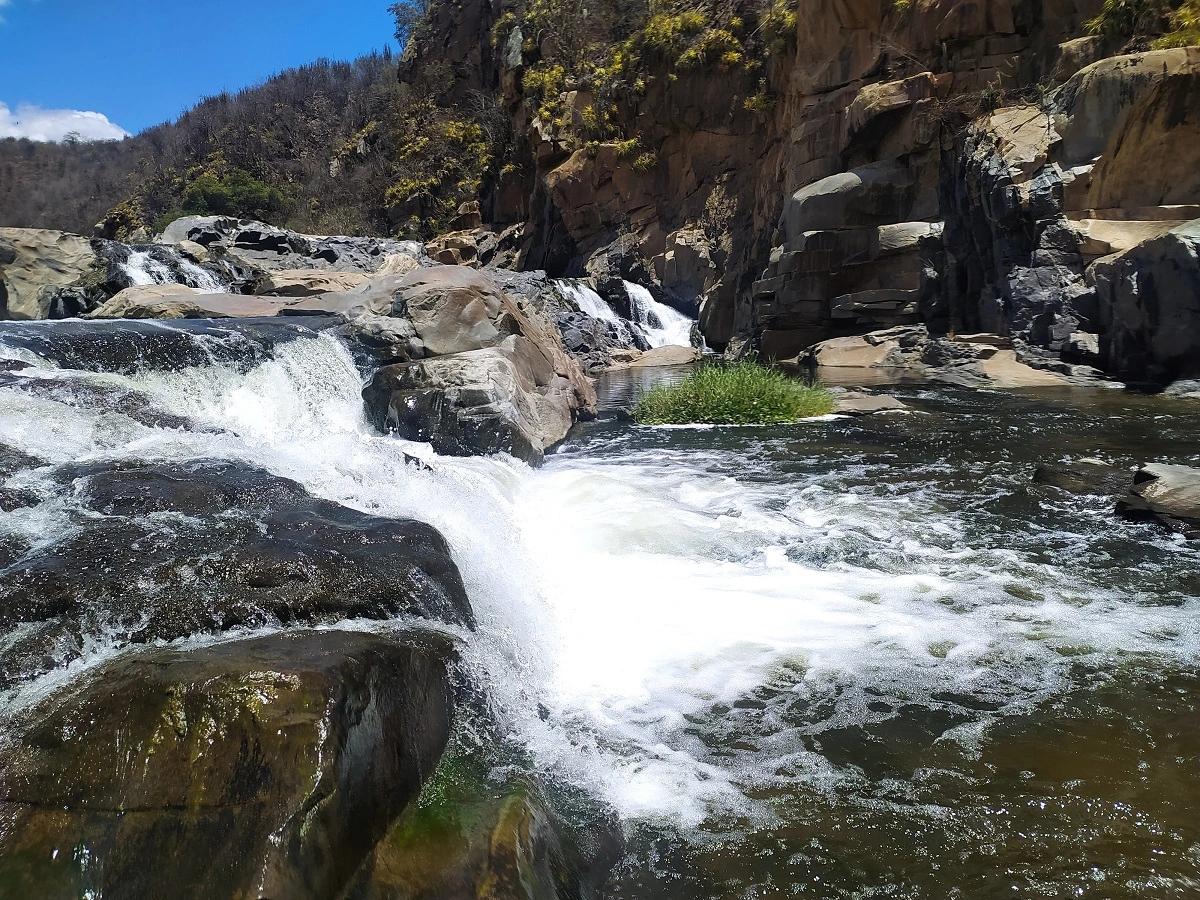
(662, 325)
(165, 265)
(657, 324)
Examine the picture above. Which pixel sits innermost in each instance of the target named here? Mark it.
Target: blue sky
(141, 62)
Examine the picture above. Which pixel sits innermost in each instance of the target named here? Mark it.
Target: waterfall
(661, 324)
(658, 324)
(686, 624)
(165, 265)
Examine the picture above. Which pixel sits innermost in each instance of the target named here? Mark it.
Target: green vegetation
(1171, 23)
(1124, 19)
(234, 192)
(745, 393)
(1185, 27)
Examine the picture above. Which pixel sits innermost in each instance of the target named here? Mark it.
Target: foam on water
(626, 601)
(144, 268)
(662, 325)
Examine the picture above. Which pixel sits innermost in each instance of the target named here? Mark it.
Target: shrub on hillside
(744, 393)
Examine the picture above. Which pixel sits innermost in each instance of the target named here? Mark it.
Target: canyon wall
(972, 166)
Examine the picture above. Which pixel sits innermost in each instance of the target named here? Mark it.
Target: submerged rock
(1167, 494)
(170, 550)
(1083, 476)
(260, 768)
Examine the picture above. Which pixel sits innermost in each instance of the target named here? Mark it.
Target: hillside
(310, 149)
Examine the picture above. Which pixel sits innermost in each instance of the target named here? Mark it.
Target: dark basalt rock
(166, 551)
(1083, 477)
(107, 397)
(261, 768)
(127, 346)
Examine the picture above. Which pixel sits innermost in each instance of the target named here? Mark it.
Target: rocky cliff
(971, 166)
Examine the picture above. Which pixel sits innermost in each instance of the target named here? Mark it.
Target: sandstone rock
(172, 301)
(853, 403)
(267, 767)
(1151, 159)
(455, 309)
(877, 194)
(1165, 493)
(505, 399)
(1096, 101)
(911, 352)
(38, 261)
(307, 282)
(670, 355)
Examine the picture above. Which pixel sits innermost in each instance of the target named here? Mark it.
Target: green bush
(745, 393)
(235, 193)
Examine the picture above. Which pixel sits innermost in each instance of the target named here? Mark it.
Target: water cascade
(772, 651)
(160, 264)
(661, 324)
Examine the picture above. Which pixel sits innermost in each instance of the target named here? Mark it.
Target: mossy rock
(259, 768)
(470, 837)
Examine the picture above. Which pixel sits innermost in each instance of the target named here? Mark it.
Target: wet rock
(97, 396)
(473, 834)
(260, 768)
(126, 347)
(1185, 387)
(856, 403)
(173, 550)
(1167, 494)
(1083, 476)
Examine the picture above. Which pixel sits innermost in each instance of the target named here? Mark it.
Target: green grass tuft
(744, 393)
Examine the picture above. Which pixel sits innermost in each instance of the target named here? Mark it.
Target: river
(844, 658)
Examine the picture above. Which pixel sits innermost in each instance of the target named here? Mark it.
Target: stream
(848, 658)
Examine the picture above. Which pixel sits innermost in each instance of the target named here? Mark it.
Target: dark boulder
(261, 768)
(167, 551)
(1084, 476)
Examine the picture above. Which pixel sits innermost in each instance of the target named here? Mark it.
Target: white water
(662, 325)
(659, 324)
(629, 594)
(143, 269)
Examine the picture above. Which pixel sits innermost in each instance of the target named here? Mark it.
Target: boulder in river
(495, 377)
(171, 550)
(258, 768)
(1083, 476)
(1167, 494)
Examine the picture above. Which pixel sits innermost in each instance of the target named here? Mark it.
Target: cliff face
(967, 165)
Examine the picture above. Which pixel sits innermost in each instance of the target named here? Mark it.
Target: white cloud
(39, 124)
